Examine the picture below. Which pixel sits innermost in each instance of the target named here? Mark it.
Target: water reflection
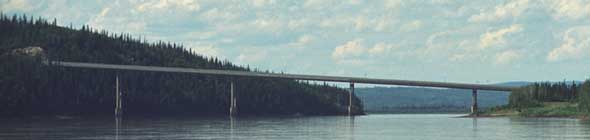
(117, 123)
(474, 127)
(407, 126)
(231, 127)
(351, 127)
(474, 122)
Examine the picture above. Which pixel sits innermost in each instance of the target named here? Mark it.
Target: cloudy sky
(439, 40)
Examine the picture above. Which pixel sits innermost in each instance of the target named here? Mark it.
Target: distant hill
(416, 99)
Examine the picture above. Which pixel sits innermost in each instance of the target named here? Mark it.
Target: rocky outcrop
(30, 51)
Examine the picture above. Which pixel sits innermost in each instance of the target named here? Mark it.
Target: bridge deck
(284, 76)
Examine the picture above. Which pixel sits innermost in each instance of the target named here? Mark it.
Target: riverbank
(546, 109)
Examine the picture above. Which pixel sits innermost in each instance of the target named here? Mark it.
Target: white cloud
(393, 4)
(436, 43)
(297, 23)
(189, 5)
(441, 1)
(450, 41)
(262, 3)
(305, 39)
(207, 50)
(198, 35)
(354, 52)
(359, 23)
(382, 49)
(458, 12)
(463, 45)
(350, 49)
(15, 5)
(317, 4)
(457, 57)
(216, 14)
(98, 20)
(268, 24)
(512, 9)
(382, 25)
(498, 37)
(411, 26)
(576, 45)
(252, 55)
(574, 9)
(506, 57)
(302, 41)
(355, 2)
(354, 62)
(105, 20)
(327, 23)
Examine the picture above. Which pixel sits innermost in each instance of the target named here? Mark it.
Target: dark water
(378, 127)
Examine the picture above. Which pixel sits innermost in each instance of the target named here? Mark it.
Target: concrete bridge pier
(118, 99)
(232, 100)
(350, 93)
(474, 102)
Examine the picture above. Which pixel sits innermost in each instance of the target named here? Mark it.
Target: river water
(378, 127)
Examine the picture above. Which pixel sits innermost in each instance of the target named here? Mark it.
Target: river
(377, 127)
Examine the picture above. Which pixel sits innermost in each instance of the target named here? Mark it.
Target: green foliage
(532, 95)
(28, 87)
(522, 98)
(584, 99)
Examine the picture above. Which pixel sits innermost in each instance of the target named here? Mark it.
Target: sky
(436, 40)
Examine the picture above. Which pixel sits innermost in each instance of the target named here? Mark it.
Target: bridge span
(351, 80)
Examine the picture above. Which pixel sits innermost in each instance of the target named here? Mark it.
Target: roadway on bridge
(284, 76)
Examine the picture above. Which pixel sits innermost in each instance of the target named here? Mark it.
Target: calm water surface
(379, 127)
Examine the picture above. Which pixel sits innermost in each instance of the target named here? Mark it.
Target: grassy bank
(545, 109)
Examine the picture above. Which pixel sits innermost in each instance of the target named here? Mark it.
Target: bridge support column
(474, 103)
(232, 100)
(350, 93)
(118, 99)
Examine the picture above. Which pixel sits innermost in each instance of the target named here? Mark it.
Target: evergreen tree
(584, 97)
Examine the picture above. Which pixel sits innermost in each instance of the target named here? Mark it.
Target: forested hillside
(28, 87)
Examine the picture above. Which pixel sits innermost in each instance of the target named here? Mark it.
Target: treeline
(29, 87)
(534, 94)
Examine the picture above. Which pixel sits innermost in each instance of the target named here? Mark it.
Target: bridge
(233, 105)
